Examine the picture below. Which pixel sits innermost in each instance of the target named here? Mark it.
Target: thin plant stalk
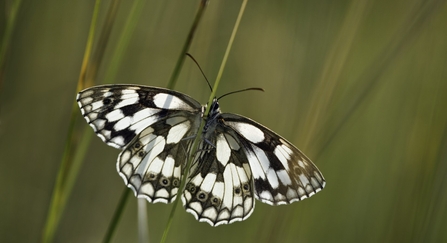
(104, 37)
(73, 157)
(187, 45)
(117, 56)
(122, 45)
(124, 40)
(9, 28)
(143, 228)
(227, 53)
(57, 205)
(197, 137)
(116, 216)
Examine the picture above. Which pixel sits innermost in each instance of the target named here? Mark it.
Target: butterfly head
(215, 108)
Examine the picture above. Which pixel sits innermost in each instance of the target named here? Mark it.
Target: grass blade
(73, 156)
(9, 28)
(122, 44)
(192, 31)
(197, 138)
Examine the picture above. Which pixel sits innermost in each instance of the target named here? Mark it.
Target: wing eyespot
(237, 191)
(191, 188)
(151, 176)
(175, 182)
(164, 181)
(215, 201)
(141, 154)
(246, 188)
(137, 145)
(202, 196)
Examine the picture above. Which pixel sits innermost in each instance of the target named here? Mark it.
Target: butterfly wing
(118, 112)
(282, 173)
(238, 159)
(219, 188)
(152, 126)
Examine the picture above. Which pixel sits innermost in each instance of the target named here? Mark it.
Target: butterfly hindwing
(282, 173)
(219, 189)
(153, 126)
(152, 163)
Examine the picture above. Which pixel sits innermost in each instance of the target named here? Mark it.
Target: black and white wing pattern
(237, 161)
(282, 173)
(240, 160)
(220, 185)
(150, 126)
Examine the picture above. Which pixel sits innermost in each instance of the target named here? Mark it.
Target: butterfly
(237, 160)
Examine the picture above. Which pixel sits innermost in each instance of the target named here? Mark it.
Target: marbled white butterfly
(237, 161)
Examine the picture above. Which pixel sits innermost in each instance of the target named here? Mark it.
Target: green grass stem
(60, 194)
(124, 40)
(199, 132)
(187, 45)
(75, 150)
(7, 35)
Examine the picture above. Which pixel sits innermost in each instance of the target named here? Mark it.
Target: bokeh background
(359, 86)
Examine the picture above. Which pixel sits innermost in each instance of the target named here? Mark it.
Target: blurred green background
(359, 86)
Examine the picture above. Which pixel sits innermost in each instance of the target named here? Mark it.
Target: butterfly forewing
(282, 173)
(119, 112)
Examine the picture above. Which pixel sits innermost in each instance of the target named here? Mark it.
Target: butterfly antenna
(209, 85)
(242, 90)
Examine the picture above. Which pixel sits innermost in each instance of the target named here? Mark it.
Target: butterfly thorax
(211, 119)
